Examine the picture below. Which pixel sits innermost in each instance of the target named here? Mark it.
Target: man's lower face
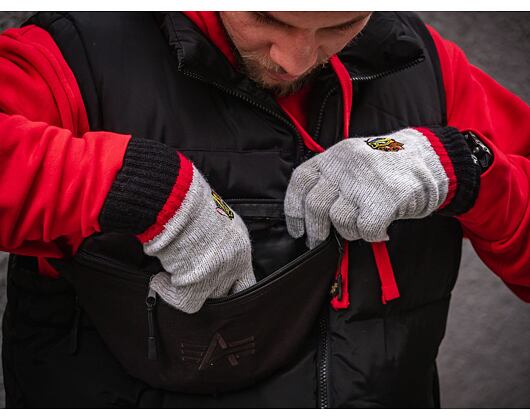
(272, 77)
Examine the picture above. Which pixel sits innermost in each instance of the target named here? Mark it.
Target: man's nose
(295, 55)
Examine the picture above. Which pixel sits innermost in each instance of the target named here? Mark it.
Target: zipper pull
(339, 289)
(150, 303)
(336, 288)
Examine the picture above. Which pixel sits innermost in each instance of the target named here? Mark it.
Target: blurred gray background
(484, 360)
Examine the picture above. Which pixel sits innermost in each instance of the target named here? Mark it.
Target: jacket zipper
(300, 142)
(323, 362)
(323, 345)
(362, 78)
(323, 348)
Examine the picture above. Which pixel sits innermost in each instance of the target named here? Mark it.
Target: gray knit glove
(160, 196)
(205, 249)
(361, 185)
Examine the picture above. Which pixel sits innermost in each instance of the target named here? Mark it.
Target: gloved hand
(205, 247)
(361, 185)
(202, 244)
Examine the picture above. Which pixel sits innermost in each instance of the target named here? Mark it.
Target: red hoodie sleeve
(54, 173)
(498, 225)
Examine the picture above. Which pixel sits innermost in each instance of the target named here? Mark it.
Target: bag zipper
(270, 278)
(113, 267)
(122, 273)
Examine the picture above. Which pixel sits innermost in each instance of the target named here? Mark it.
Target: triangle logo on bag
(218, 349)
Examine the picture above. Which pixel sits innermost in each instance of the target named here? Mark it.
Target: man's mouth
(283, 77)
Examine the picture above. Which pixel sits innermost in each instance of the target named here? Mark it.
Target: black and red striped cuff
(142, 188)
(463, 173)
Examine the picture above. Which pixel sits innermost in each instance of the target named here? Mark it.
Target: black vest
(156, 76)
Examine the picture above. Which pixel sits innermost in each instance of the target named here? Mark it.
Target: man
(248, 97)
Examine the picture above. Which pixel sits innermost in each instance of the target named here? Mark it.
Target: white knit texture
(205, 252)
(361, 191)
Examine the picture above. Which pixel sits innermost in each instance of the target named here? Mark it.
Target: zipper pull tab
(150, 303)
(339, 289)
(336, 287)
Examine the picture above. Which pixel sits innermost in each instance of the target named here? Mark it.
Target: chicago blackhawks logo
(222, 207)
(385, 144)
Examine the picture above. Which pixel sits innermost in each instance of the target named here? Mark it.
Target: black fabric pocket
(272, 246)
(229, 344)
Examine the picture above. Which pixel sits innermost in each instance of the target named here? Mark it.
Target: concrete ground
(485, 358)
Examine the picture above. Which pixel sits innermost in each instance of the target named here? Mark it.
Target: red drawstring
(341, 298)
(389, 287)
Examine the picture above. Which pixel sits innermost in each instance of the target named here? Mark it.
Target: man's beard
(255, 65)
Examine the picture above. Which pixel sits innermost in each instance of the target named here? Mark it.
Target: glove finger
(343, 215)
(373, 224)
(317, 207)
(295, 226)
(244, 282)
(304, 178)
(188, 298)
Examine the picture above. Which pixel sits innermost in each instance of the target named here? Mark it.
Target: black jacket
(156, 76)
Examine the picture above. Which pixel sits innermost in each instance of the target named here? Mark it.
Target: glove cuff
(148, 190)
(457, 161)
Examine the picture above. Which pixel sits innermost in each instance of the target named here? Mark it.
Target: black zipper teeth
(323, 401)
(385, 73)
(111, 267)
(262, 283)
(253, 103)
(323, 366)
(365, 78)
(321, 113)
(106, 266)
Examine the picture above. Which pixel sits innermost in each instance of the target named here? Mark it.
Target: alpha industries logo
(218, 350)
(385, 144)
(222, 207)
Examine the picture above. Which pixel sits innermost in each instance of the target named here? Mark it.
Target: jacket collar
(386, 44)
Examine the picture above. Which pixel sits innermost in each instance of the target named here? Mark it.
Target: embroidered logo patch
(222, 207)
(217, 351)
(385, 144)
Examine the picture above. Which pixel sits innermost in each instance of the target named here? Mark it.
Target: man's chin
(283, 88)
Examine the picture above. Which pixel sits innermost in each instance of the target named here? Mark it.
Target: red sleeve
(54, 173)
(498, 225)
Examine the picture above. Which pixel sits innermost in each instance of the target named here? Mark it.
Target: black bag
(231, 343)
